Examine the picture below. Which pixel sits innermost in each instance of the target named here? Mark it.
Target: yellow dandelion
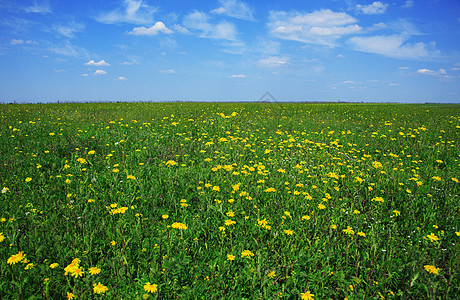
(180, 226)
(94, 270)
(151, 288)
(99, 288)
(230, 257)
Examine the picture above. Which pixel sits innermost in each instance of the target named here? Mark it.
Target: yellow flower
(454, 179)
(377, 199)
(16, 258)
(115, 170)
(376, 164)
(247, 253)
(271, 274)
(361, 234)
(230, 257)
(231, 214)
(91, 152)
(216, 188)
(94, 270)
(99, 288)
(457, 233)
(321, 206)
(432, 269)
(306, 217)
(77, 272)
(131, 177)
(70, 296)
(307, 296)
(28, 179)
(432, 237)
(349, 230)
(171, 163)
(229, 222)
(397, 212)
(113, 243)
(288, 232)
(2, 237)
(29, 266)
(151, 288)
(334, 226)
(270, 190)
(180, 226)
(165, 216)
(54, 265)
(81, 160)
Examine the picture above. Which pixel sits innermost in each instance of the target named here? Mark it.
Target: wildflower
(271, 274)
(94, 271)
(377, 199)
(70, 296)
(377, 164)
(432, 237)
(4, 190)
(453, 179)
(306, 218)
(99, 288)
(307, 296)
(131, 177)
(81, 160)
(115, 170)
(230, 214)
(361, 234)
(288, 214)
(164, 217)
(288, 232)
(171, 163)
(177, 225)
(247, 253)
(437, 178)
(230, 257)
(334, 226)
(349, 230)
(432, 269)
(151, 288)
(216, 188)
(91, 152)
(229, 222)
(397, 212)
(77, 272)
(28, 179)
(2, 237)
(321, 206)
(113, 243)
(270, 190)
(16, 258)
(356, 212)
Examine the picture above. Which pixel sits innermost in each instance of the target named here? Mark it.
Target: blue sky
(227, 50)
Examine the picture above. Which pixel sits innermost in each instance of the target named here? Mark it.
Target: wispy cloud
(70, 50)
(41, 7)
(375, 8)
(238, 76)
(408, 4)
(131, 11)
(70, 29)
(234, 8)
(169, 71)
(431, 72)
(121, 78)
(199, 22)
(153, 30)
(21, 42)
(321, 27)
(273, 61)
(100, 63)
(395, 45)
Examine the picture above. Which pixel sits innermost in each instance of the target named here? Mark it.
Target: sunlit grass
(247, 200)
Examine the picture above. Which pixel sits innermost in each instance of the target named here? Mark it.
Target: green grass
(292, 178)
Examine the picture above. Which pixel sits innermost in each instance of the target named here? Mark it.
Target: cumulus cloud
(394, 46)
(273, 61)
(375, 8)
(122, 78)
(153, 30)
(234, 8)
(199, 22)
(99, 63)
(238, 76)
(20, 42)
(100, 72)
(131, 11)
(321, 27)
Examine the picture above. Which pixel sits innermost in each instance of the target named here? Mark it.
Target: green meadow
(229, 201)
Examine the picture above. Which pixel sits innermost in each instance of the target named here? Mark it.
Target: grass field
(229, 201)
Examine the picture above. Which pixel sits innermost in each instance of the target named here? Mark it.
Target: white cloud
(321, 27)
(394, 84)
(85, 75)
(100, 72)
(153, 30)
(394, 46)
(431, 72)
(20, 42)
(199, 21)
(169, 71)
(122, 78)
(403, 68)
(273, 61)
(70, 50)
(234, 8)
(99, 63)
(40, 7)
(408, 4)
(375, 8)
(238, 76)
(127, 63)
(180, 29)
(70, 29)
(132, 12)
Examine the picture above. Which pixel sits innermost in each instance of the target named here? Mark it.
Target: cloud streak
(235, 9)
(131, 12)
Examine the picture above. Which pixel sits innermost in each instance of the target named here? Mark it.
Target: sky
(230, 50)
